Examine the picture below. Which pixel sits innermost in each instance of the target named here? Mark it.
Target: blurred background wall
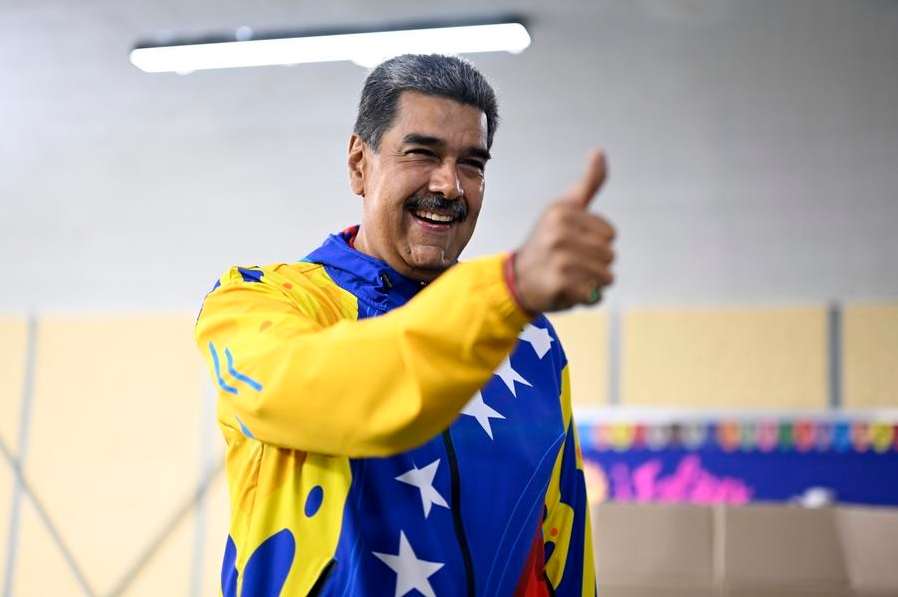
(753, 147)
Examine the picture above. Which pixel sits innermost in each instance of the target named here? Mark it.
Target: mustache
(456, 208)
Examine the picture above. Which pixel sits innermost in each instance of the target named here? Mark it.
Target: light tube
(366, 49)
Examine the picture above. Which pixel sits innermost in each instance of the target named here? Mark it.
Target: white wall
(753, 147)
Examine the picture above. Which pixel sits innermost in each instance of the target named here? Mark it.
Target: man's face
(423, 188)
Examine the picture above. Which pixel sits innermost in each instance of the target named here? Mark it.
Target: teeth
(427, 215)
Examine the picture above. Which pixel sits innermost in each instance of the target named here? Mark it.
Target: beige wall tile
(13, 340)
(216, 525)
(40, 566)
(584, 334)
(870, 355)
(742, 358)
(114, 444)
(168, 572)
(6, 488)
(13, 335)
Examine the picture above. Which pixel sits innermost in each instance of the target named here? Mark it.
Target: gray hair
(445, 76)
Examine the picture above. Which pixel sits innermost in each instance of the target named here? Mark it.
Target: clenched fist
(567, 258)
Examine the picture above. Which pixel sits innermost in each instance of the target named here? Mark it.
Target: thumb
(583, 192)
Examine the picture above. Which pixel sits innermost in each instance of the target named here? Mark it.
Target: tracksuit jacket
(387, 438)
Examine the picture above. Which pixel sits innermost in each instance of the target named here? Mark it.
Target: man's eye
(475, 164)
(423, 152)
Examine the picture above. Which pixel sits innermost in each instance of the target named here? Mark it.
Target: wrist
(511, 281)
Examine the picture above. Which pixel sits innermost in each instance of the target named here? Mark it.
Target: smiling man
(423, 184)
(399, 422)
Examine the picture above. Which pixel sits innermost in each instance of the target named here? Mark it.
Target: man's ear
(358, 165)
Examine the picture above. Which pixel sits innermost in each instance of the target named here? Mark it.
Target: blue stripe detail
(221, 382)
(244, 428)
(250, 275)
(217, 284)
(240, 376)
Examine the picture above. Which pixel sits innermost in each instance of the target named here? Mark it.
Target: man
(397, 423)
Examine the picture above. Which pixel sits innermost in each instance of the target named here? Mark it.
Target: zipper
(456, 513)
(323, 577)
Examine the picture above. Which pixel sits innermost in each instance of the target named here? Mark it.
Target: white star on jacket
(478, 409)
(539, 339)
(422, 478)
(507, 373)
(411, 573)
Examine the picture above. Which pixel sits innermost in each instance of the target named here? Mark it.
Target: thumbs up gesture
(566, 259)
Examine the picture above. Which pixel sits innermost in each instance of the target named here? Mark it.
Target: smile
(432, 217)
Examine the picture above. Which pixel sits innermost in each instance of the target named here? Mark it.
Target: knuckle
(567, 265)
(554, 211)
(558, 242)
(611, 232)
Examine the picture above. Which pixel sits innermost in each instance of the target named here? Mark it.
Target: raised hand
(566, 259)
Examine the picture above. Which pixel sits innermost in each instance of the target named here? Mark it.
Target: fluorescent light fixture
(366, 48)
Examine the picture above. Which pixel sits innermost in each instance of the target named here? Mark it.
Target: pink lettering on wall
(689, 483)
(620, 482)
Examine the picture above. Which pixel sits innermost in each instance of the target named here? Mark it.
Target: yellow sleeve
(570, 567)
(290, 372)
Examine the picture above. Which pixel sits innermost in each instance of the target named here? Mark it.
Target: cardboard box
(781, 548)
(870, 541)
(655, 550)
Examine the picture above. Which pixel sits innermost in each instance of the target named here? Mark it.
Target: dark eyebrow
(428, 141)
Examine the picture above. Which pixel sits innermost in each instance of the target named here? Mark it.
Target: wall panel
(713, 357)
(114, 447)
(13, 348)
(584, 334)
(215, 535)
(7, 481)
(870, 355)
(41, 568)
(168, 571)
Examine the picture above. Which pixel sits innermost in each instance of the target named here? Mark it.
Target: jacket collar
(370, 279)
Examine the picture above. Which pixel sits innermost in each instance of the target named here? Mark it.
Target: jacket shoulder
(305, 285)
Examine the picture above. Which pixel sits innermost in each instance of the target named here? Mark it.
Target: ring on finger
(595, 294)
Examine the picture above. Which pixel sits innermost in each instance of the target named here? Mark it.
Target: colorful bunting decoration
(747, 436)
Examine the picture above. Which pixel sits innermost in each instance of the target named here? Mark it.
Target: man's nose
(445, 181)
